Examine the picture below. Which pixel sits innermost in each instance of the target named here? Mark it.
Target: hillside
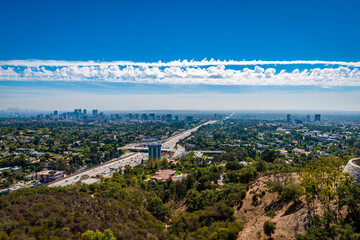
(62, 214)
(250, 202)
(290, 220)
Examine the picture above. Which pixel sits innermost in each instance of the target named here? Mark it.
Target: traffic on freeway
(131, 159)
(106, 169)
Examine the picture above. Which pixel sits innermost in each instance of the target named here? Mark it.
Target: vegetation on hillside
(200, 206)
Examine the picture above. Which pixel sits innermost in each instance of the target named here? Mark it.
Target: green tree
(3, 236)
(269, 228)
(268, 155)
(91, 235)
(192, 200)
(156, 207)
(291, 192)
(319, 180)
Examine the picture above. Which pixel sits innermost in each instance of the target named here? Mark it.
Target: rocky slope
(290, 219)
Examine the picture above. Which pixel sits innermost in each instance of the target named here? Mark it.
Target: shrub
(291, 192)
(91, 235)
(276, 187)
(271, 214)
(269, 228)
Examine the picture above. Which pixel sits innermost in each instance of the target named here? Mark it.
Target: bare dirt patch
(290, 219)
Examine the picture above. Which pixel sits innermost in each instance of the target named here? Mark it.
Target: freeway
(105, 169)
(132, 159)
(228, 117)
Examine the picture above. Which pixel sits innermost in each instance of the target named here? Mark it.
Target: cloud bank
(177, 63)
(212, 72)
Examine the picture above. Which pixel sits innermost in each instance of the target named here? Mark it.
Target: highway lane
(133, 159)
(228, 117)
(105, 169)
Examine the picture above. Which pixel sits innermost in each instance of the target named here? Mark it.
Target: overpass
(145, 149)
(215, 152)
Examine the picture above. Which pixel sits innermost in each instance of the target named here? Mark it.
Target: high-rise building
(152, 116)
(217, 116)
(85, 112)
(95, 112)
(189, 118)
(308, 118)
(317, 118)
(56, 113)
(288, 118)
(154, 150)
(168, 117)
(176, 118)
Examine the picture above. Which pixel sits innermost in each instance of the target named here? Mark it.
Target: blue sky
(152, 31)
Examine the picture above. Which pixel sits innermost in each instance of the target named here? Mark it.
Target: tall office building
(308, 118)
(152, 116)
(154, 150)
(168, 117)
(56, 113)
(85, 112)
(217, 116)
(189, 118)
(95, 112)
(144, 117)
(288, 118)
(317, 118)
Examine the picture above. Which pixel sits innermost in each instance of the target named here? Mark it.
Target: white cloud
(177, 63)
(184, 72)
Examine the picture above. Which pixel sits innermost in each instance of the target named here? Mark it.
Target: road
(105, 169)
(228, 117)
(132, 159)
